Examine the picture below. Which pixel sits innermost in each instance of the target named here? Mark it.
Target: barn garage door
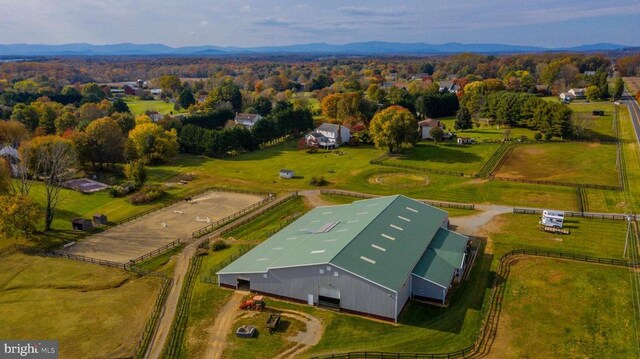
(329, 297)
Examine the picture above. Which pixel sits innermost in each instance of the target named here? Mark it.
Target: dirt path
(222, 326)
(305, 339)
(313, 198)
(470, 225)
(180, 271)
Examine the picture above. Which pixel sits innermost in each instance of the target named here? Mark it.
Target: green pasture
(562, 309)
(575, 162)
(139, 107)
(467, 159)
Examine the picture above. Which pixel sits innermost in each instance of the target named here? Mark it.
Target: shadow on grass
(283, 326)
(469, 295)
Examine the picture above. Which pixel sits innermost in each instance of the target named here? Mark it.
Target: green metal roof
(445, 253)
(388, 249)
(380, 239)
(296, 246)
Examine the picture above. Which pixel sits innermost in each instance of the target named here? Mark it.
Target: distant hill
(358, 48)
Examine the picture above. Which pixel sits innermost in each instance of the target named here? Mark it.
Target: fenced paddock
(143, 235)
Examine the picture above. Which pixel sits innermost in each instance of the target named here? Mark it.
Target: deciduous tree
(394, 128)
(103, 143)
(53, 159)
(19, 215)
(463, 120)
(153, 144)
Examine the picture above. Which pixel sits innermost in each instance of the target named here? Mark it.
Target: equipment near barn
(256, 303)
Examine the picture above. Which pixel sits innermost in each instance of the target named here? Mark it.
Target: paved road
(634, 109)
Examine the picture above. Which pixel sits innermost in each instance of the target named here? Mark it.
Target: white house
(578, 93)
(425, 127)
(567, 97)
(449, 86)
(330, 135)
(247, 120)
(12, 157)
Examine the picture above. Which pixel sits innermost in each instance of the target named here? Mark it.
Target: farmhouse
(329, 135)
(369, 257)
(247, 120)
(12, 157)
(578, 92)
(567, 97)
(425, 127)
(449, 86)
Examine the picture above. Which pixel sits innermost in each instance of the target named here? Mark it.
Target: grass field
(562, 309)
(94, 311)
(488, 132)
(139, 107)
(597, 127)
(599, 238)
(447, 157)
(632, 84)
(353, 172)
(632, 160)
(563, 162)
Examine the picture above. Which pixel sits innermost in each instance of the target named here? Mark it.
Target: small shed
(81, 224)
(597, 113)
(465, 140)
(99, 220)
(284, 173)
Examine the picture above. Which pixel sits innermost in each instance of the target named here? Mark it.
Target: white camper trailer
(553, 219)
(551, 222)
(553, 214)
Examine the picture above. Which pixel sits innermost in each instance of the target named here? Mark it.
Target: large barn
(369, 257)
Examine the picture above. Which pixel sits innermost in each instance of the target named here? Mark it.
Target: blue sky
(278, 22)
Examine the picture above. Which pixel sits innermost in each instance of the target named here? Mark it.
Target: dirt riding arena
(145, 234)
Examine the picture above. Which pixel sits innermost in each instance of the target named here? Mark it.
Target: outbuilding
(368, 257)
(81, 224)
(100, 220)
(284, 173)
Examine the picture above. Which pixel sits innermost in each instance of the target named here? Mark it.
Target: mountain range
(358, 48)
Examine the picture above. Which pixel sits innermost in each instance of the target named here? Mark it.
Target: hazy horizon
(549, 24)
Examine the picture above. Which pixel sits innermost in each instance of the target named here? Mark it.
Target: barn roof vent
(325, 228)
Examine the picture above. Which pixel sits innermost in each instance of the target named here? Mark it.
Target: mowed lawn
(259, 170)
(139, 107)
(583, 163)
(488, 132)
(594, 237)
(596, 127)
(562, 309)
(94, 311)
(467, 159)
